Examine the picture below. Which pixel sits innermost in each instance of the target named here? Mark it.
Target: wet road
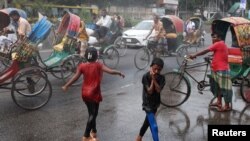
(120, 115)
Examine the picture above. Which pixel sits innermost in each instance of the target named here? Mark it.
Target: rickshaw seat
(234, 55)
(171, 35)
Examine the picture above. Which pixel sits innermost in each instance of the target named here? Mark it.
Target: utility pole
(5, 3)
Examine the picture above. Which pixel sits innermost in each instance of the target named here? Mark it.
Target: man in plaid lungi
(221, 85)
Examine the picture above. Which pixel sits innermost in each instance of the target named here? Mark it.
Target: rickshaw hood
(177, 22)
(4, 19)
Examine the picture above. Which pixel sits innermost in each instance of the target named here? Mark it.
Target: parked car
(135, 36)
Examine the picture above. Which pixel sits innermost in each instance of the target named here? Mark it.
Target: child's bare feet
(139, 138)
(86, 139)
(93, 134)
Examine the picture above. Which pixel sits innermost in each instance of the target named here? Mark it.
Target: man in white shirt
(104, 24)
(190, 29)
(190, 26)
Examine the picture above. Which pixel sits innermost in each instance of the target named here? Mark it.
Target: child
(92, 71)
(153, 82)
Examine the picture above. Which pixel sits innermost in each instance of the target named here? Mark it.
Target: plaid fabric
(221, 84)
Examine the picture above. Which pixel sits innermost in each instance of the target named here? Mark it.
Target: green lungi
(221, 84)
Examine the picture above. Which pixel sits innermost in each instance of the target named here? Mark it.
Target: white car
(136, 35)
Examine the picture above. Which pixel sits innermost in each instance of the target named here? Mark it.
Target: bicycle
(29, 85)
(183, 50)
(143, 56)
(107, 51)
(178, 87)
(121, 46)
(108, 54)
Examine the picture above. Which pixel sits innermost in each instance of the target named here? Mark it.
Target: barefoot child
(92, 71)
(153, 82)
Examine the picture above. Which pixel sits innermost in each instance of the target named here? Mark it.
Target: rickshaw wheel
(181, 51)
(121, 46)
(111, 57)
(31, 88)
(176, 90)
(245, 89)
(69, 66)
(56, 72)
(142, 58)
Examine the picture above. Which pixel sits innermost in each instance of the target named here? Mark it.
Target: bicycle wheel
(120, 46)
(176, 90)
(31, 88)
(181, 51)
(69, 66)
(142, 59)
(244, 118)
(245, 89)
(111, 57)
(56, 72)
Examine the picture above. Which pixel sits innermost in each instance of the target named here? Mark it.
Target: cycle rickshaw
(65, 57)
(178, 86)
(29, 84)
(7, 39)
(198, 35)
(108, 47)
(173, 26)
(191, 41)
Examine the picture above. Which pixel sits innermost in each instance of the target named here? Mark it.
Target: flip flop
(224, 109)
(215, 105)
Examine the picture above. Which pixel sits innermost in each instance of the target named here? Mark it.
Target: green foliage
(85, 15)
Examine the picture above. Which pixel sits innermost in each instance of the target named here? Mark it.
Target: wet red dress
(91, 87)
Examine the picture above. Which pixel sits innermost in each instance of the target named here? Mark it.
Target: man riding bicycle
(159, 32)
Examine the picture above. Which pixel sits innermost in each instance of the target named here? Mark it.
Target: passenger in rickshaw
(119, 21)
(103, 25)
(190, 30)
(22, 26)
(114, 31)
(9, 33)
(159, 33)
(171, 36)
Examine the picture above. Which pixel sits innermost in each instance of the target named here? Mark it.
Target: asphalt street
(120, 115)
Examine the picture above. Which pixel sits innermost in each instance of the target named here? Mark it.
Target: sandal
(216, 104)
(224, 109)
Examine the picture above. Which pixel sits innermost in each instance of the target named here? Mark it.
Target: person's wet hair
(91, 54)
(217, 34)
(156, 16)
(14, 13)
(104, 10)
(157, 61)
